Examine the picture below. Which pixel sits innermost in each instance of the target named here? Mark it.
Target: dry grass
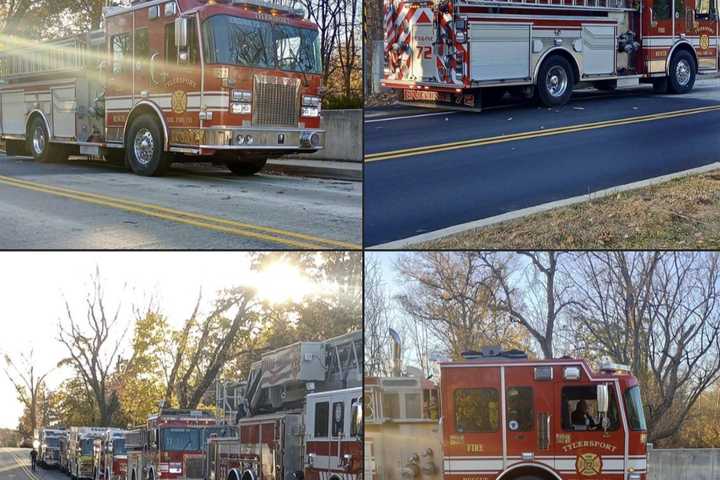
(680, 214)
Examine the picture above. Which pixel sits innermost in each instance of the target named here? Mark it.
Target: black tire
(246, 168)
(38, 144)
(682, 72)
(528, 477)
(145, 134)
(555, 82)
(660, 85)
(606, 85)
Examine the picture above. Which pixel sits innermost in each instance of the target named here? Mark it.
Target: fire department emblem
(704, 41)
(588, 464)
(179, 101)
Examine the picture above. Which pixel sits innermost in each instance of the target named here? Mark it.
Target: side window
(391, 405)
(142, 47)
(662, 9)
(322, 412)
(520, 409)
(431, 404)
(705, 9)
(170, 48)
(476, 410)
(579, 409)
(193, 43)
(120, 50)
(338, 419)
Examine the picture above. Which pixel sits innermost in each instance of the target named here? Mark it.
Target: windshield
(52, 442)
(181, 439)
(252, 43)
(636, 416)
(119, 446)
(87, 446)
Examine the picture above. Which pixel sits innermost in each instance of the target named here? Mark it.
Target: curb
(525, 212)
(348, 171)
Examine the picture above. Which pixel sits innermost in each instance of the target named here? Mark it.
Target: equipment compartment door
(598, 49)
(499, 52)
(13, 113)
(64, 105)
(472, 428)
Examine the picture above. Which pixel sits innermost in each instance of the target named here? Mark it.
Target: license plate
(421, 95)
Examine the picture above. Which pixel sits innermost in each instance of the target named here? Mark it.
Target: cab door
(529, 411)
(472, 429)
(119, 78)
(702, 30)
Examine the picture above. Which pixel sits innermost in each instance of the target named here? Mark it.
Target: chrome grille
(276, 101)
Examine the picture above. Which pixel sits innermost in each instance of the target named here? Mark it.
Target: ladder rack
(594, 5)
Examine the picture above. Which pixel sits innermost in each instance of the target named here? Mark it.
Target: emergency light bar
(611, 367)
(288, 6)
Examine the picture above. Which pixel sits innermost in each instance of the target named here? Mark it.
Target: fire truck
(49, 451)
(80, 451)
(298, 416)
(227, 81)
(110, 462)
(471, 52)
(506, 417)
(171, 445)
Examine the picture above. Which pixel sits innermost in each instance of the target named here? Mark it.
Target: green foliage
(342, 102)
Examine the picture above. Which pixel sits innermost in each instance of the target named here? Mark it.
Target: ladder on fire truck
(595, 5)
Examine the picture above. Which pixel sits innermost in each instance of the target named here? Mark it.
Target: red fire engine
(171, 445)
(471, 52)
(506, 417)
(227, 81)
(299, 415)
(111, 456)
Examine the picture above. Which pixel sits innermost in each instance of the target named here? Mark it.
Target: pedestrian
(33, 458)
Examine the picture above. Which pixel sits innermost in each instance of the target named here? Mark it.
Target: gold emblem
(588, 464)
(704, 41)
(179, 101)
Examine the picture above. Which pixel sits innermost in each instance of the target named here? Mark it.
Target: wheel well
(150, 109)
(538, 472)
(248, 475)
(35, 114)
(233, 475)
(683, 46)
(561, 52)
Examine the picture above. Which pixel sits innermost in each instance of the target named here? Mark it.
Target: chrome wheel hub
(556, 81)
(144, 146)
(683, 72)
(38, 140)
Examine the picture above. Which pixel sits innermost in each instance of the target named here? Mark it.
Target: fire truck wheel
(682, 72)
(528, 477)
(145, 148)
(39, 144)
(246, 167)
(555, 81)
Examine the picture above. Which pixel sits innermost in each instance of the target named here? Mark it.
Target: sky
(34, 286)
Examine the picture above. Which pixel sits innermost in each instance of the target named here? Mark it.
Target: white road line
(407, 243)
(409, 116)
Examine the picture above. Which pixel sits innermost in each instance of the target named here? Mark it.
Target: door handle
(152, 68)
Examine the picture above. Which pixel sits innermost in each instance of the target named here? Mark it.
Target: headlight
(311, 111)
(310, 101)
(241, 108)
(241, 96)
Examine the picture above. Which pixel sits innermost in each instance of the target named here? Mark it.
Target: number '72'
(424, 52)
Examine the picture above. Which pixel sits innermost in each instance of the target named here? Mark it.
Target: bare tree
(658, 313)
(452, 294)
(198, 361)
(94, 349)
(349, 44)
(529, 293)
(377, 352)
(29, 384)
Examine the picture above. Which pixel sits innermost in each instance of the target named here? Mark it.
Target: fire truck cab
(506, 417)
(81, 453)
(471, 52)
(49, 451)
(111, 456)
(228, 81)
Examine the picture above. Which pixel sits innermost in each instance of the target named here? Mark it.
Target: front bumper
(252, 139)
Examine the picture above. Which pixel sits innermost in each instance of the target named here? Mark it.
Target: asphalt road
(15, 465)
(90, 205)
(429, 169)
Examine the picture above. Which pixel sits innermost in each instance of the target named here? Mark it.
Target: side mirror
(181, 32)
(603, 399)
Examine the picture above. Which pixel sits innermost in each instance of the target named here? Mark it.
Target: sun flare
(281, 282)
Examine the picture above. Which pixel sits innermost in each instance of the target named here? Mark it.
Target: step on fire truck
(171, 445)
(298, 416)
(111, 456)
(470, 52)
(506, 417)
(402, 430)
(49, 451)
(80, 451)
(226, 81)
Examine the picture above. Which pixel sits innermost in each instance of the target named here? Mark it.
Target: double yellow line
(31, 475)
(218, 224)
(478, 142)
